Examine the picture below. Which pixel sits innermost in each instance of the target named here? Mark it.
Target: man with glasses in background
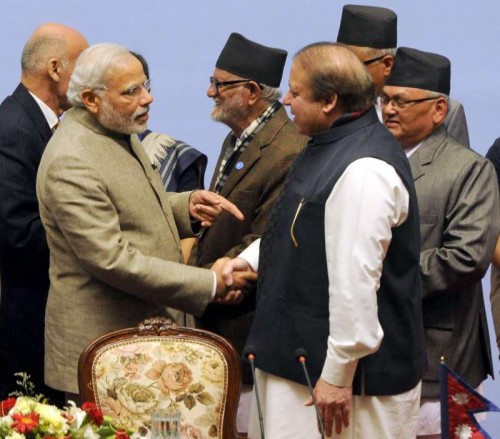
(458, 206)
(251, 169)
(112, 231)
(371, 33)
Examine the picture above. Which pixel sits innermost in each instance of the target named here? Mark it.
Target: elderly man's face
(124, 105)
(230, 102)
(410, 115)
(308, 114)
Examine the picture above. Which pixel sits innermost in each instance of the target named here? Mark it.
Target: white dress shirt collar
(50, 115)
(410, 151)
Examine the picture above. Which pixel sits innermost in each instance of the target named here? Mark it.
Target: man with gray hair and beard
(251, 169)
(112, 231)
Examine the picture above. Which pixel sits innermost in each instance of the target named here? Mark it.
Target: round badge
(239, 166)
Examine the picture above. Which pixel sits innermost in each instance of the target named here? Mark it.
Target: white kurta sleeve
(368, 200)
(251, 254)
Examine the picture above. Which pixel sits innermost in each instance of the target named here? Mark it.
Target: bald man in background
(27, 120)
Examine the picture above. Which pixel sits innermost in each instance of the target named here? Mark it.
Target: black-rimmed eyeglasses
(400, 103)
(216, 84)
(371, 61)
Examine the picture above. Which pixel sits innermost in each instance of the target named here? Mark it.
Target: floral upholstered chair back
(159, 366)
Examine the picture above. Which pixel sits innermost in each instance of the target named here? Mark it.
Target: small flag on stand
(459, 402)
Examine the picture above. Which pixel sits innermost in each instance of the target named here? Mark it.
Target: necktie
(54, 128)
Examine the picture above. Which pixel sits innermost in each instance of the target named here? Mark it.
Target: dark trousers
(22, 324)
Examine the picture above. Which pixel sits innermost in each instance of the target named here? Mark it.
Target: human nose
(389, 107)
(287, 98)
(146, 96)
(211, 91)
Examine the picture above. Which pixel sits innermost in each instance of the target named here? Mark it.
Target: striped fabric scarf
(240, 144)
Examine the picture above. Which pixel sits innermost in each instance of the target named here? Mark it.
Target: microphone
(249, 354)
(301, 356)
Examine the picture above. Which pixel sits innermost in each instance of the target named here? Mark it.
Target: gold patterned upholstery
(158, 365)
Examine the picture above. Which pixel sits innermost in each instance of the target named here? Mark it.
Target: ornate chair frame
(164, 328)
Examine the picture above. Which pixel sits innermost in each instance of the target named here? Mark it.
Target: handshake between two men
(205, 206)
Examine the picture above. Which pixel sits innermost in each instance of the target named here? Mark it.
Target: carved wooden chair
(158, 365)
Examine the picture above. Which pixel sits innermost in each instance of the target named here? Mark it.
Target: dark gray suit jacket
(456, 123)
(459, 222)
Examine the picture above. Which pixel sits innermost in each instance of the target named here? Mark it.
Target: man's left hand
(334, 405)
(206, 206)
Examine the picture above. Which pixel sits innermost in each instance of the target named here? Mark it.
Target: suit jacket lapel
(425, 154)
(252, 152)
(228, 142)
(23, 96)
(244, 162)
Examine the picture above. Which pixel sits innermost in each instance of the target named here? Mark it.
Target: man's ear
(387, 62)
(440, 110)
(91, 100)
(54, 69)
(254, 92)
(330, 104)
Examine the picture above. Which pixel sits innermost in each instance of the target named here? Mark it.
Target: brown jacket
(254, 189)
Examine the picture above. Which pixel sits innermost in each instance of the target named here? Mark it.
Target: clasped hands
(206, 206)
(230, 288)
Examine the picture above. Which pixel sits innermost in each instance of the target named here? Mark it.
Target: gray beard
(123, 124)
(230, 112)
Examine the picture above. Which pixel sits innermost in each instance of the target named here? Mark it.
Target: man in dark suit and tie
(27, 120)
(459, 210)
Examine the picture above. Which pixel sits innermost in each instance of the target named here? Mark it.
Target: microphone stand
(248, 352)
(301, 357)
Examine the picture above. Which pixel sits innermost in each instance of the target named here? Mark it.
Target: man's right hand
(231, 294)
(231, 267)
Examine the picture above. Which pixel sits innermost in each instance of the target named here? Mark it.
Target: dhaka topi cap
(251, 60)
(368, 26)
(417, 69)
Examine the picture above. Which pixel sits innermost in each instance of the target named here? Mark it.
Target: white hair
(372, 52)
(435, 94)
(270, 94)
(93, 68)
